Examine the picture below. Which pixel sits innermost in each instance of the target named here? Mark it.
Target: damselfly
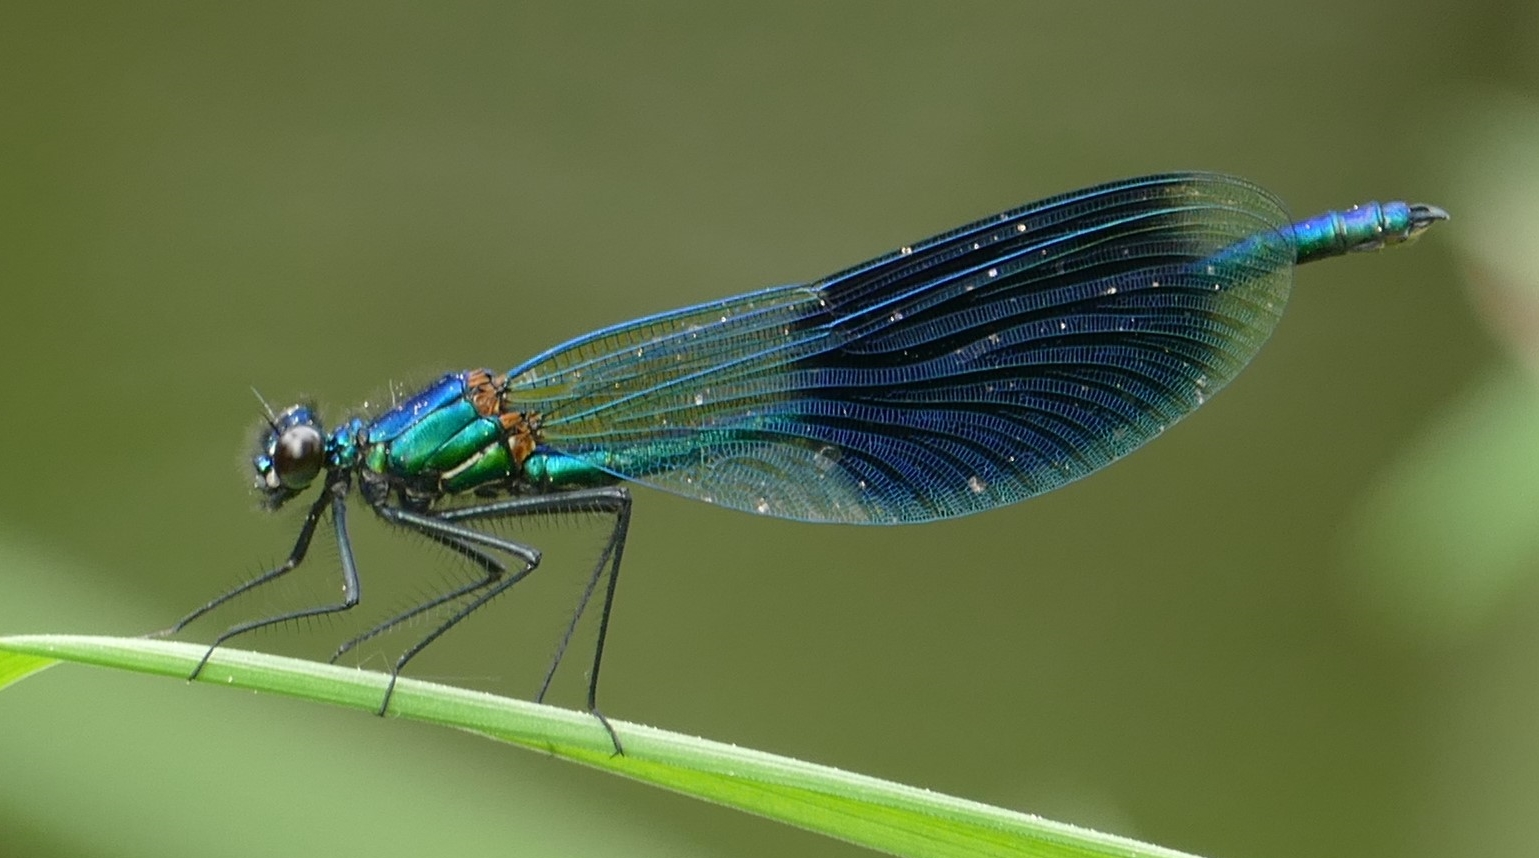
(974, 369)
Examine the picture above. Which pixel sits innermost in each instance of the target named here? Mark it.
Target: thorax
(457, 436)
(452, 437)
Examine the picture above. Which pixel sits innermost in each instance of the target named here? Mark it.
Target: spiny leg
(350, 587)
(489, 564)
(296, 557)
(491, 567)
(432, 526)
(614, 547)
(615, 500)
(453, 620)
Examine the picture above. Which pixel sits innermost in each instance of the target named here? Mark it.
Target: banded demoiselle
(964, 372)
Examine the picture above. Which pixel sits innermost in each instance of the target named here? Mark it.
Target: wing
(974, 369)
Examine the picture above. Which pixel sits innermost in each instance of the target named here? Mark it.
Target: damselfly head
(291, 455)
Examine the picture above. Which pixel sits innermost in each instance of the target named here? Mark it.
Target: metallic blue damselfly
(967, 371)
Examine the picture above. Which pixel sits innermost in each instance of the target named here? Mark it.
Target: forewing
(977, 368)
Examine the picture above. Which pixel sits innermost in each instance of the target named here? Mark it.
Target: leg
(615, 500)
(463, 539)
(491, 566)
(296, 557)
(454, 619)
(610, 555)
(336, 493)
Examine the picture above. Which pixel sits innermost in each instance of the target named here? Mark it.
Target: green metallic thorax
(458, 436)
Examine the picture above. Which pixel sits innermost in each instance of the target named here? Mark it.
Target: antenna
(272, 419)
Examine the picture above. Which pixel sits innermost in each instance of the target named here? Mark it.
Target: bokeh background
(1306, 622)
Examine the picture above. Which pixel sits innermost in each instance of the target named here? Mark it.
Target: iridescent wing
(974, 369)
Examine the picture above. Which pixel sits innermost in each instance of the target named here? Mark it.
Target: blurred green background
(1303, 623)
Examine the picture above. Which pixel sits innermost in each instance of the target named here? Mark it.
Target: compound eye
(298, 456)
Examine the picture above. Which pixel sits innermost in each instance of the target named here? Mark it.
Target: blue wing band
(974, 369)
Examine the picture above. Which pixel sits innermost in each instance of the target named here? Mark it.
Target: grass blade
(879, 814)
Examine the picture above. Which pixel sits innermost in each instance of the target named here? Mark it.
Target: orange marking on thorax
(523, 433)
(485, 392)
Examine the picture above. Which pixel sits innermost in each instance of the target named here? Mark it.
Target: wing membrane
(974, 369)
